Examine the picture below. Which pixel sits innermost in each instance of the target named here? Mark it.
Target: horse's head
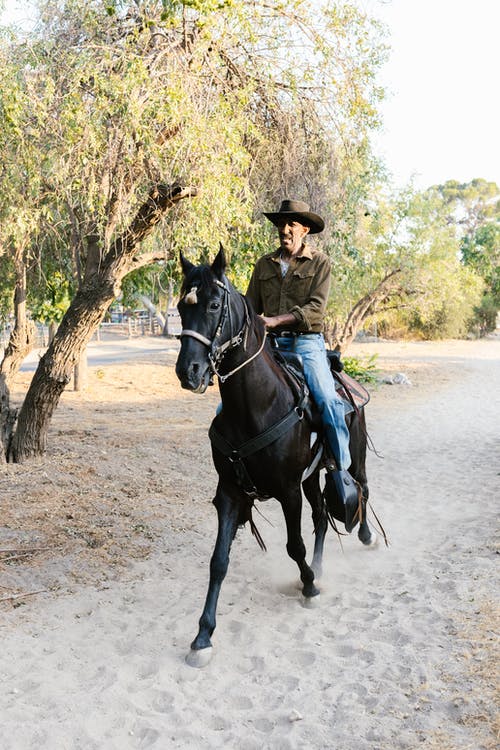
(207, 320)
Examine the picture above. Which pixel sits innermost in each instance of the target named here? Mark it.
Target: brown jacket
(303, 291)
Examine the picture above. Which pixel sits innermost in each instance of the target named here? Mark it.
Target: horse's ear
(219, 265)
(186, 265)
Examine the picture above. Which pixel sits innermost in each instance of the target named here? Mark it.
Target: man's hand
(279, 321)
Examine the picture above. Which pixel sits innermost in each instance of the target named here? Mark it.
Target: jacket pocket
(269, 291)
(265, 274)
(300, 288)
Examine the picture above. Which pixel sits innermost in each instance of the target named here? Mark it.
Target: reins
(225, 377)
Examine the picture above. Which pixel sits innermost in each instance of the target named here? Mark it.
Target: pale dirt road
(402, 652)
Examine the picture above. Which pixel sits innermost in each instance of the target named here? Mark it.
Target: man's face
(291, 234)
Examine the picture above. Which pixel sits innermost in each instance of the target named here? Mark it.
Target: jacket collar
(305, 252)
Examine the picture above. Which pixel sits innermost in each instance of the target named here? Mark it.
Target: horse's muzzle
(195, 377)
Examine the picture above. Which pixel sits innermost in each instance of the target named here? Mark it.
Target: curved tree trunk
(365, 307)
(55, 369)
(101, 284)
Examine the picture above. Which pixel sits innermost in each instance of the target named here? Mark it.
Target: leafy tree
(403, 267)
(481, 252)
(123, 109)
(474, 210)
(50, 308)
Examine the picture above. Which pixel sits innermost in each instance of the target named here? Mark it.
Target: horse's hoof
(311, 602)
(199, 658)
(371, 542)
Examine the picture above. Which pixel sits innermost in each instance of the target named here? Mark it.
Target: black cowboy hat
(298, 211)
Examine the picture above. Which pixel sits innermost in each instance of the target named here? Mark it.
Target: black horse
(261, 438)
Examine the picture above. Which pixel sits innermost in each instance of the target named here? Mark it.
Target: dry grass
(113, 481)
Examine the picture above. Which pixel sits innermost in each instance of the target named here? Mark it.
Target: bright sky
(442, 115)
(16, 11)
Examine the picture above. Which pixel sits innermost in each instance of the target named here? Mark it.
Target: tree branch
(364, 307)
(161, 198)
(139, 261)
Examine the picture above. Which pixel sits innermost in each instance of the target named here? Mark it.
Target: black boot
(342, 497)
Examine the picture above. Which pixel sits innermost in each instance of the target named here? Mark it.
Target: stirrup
(342, 498)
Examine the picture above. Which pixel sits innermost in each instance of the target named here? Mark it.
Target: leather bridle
(218, 351)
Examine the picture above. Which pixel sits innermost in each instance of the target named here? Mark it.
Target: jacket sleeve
(253, 292)
(312, 312)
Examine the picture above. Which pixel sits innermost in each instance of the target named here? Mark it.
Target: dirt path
(401, 652)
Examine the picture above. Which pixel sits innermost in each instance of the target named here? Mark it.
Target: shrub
(364, 370)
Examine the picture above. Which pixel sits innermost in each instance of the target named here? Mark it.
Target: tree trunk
(55, 369)
(151, 307)
(52, 331)
(100, 286)
(363, 308)
(93, 259)
(80, 373)
(170, 294)
(21, 342)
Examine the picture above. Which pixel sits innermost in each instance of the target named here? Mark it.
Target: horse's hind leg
(292, 509)
(312, 492)
(366, 535)
(228, 513)
(357, 446)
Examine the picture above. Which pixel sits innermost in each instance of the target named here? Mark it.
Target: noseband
(218, 351)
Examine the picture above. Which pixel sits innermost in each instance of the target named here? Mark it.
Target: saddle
(354, 395)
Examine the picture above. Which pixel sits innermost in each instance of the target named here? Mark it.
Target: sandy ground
(105, 547)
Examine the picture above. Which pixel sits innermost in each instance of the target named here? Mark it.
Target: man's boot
(343, 497)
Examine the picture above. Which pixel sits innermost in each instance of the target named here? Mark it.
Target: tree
(402, 263)
(474, 210)
(19, 215)
(130, 107)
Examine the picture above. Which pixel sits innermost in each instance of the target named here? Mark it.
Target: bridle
(217, 351)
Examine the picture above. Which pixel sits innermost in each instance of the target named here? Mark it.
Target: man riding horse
(289, 287)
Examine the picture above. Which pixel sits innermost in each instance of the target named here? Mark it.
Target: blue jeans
(322, 387)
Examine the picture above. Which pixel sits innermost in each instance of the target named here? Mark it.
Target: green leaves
(54, 303)
(363, 369)
(244, 100)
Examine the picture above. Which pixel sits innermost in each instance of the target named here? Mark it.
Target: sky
(441, 118)
(442, 113)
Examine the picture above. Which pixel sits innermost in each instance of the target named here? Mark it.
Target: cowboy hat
(298, 211)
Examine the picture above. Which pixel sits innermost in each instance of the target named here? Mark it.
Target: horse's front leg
(228, 513)
(292, 509)
(312, 491)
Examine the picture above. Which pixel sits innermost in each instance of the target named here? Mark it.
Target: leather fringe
(380, 527)
(256, 532)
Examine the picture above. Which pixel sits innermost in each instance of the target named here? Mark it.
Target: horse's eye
(214, 306)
